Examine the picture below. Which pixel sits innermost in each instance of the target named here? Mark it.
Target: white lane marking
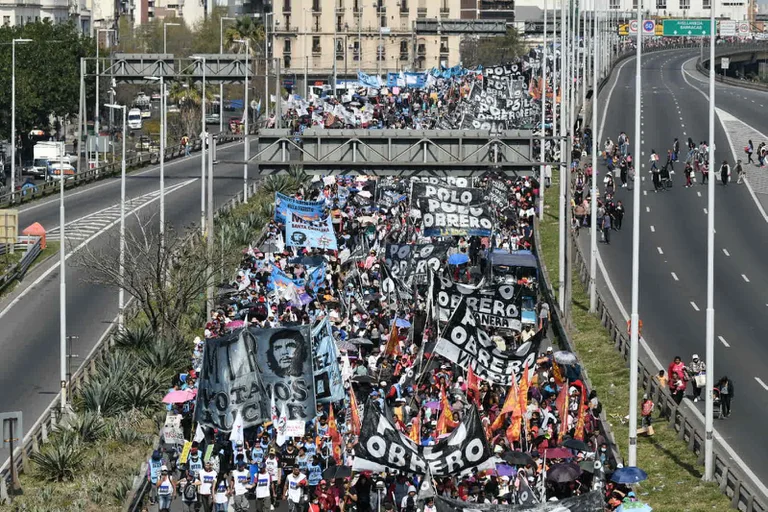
(648, 209)
(660, 251)
(722, 340)
(695, 306)
(698, 194)
(725, 251)
(705, 211)
(645, 192)
(760, 381)
(745, 278)
(674, 276)
(653, 229)
(608, 99)
(74, 250)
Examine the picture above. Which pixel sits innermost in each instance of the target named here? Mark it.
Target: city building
(729, 9)
(488, 10)
(21, 12)
(376, 37)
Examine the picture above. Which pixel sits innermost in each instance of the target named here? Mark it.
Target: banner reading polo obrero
(411, 262)
(244, 370)
(495, 305)
(452, 211)
(307, 209)
(301, 232)
(590, 502)
(466, 344)
(381, 445)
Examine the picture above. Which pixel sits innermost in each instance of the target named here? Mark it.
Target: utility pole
(563, 158)
(543, 172)
(210, 236)
(62, 291)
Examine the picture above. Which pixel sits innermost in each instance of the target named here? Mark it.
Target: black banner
(494, 306)
(591, 502)
(411, 262)
(452, 211)
(381, 445)
(466, 344)
(497, 193)
(243, 370)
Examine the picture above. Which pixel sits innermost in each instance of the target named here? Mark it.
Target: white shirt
(263, 483)
(272, 467)
(241, 480)
(207, 479)
(294, 487)
(221, 494)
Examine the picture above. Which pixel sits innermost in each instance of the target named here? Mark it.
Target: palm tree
(188, 97)
(245, 28)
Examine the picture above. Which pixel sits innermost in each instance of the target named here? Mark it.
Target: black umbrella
(362, 379)
(575, 444)
(518, 458)
(563, 473)
(268, 246)
(334, 472)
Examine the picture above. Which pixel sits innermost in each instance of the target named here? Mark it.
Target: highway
(29, 338)
(674, 238)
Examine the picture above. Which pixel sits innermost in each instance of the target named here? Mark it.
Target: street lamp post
(121, 268)
(96, 114)
(13, 114)
(221, 84)
(593, 191)
(542, 172)
(202, 147)
(163, 129)
(246, 115)
(306, 56)
(62, 290)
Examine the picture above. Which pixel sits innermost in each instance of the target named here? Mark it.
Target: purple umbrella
(505, 470)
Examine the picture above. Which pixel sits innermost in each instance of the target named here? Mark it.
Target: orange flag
(415, 434)
(333, 433)
(509, 405)
(513, 432)
(354, 415)
(524, 385)
(579, 434)
(473, 386)
(562, 409)
(445, 420)
(393, 343)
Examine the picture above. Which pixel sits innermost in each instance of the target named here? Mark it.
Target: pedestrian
(725, 385)
(646, 410)
(654, 159)
(221, 496)
(676, 150)
(188, 489)
(623, 167)
(154, 467)
(606, 227)
(185, 145)
(294, 489)
(408, 503)
(704, 172)
(207, 479)
(238, 484)
(725, 172)
(749, 149)
(544, 317)
(741, 173)
(263, 486)
(696, 372)
(166, 490)
(618, 215)
(677, 386)
(690, 175)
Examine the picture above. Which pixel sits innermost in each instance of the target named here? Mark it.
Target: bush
(60, 459)
(167, 354)
(87, 426)
(100, 396)
(138, 338)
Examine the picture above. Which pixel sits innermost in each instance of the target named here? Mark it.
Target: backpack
(190, 492)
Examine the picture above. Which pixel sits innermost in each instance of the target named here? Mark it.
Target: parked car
(145, 143)
(212, 118)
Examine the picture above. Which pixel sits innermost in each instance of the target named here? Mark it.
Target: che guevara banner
(381, 445)
(242, 371)
(307, 209)
(590, 502)
(452, 211)
(466, 344)
(302, 232)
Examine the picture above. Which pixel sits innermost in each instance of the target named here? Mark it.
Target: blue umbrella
(402, 322)
(634, 506)
(458, 259)
(629, 475)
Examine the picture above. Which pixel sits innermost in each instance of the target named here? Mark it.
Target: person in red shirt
(326, 496)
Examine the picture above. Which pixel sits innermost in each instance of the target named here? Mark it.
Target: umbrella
(565, 357)
(269, 246)
(365, 194)
(179, 396)
(366, 220)
(559, 453)
(402, 322)
(361, 341)
(634, 506)
(518, 458)
(629, 475)
(504, 470)
(563, 473)
(362, 379)
(458, 259)
(575, 444)
(235, 324)
(335, 472)
(587, 466)
(345, 345)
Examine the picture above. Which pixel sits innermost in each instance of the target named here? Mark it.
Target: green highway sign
(686, 28)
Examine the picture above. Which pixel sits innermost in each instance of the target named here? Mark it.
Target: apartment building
(20, 12)
(729, 9)
(372, 36)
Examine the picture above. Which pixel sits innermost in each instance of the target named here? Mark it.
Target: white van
(134, 119)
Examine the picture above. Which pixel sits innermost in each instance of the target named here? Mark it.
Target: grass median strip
(50, 249)
(674, 483)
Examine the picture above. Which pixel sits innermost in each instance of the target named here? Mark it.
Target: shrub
(87, 426)
(60, 459)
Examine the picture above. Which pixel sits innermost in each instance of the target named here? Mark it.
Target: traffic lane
(32, 344)
(660, 325)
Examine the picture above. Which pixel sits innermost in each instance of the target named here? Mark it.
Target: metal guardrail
(17, 271)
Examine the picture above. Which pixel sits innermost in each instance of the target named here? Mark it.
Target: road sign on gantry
(686, 28)
(727, 28)
(744, 28)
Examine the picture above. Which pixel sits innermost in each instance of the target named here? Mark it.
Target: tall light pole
(13, 114)
(543, 172)
(306, 56)
(563, 157)
(202, 147)
(163, 122)
(709, 460)
(121, 267)
(221, 84)
(246, 115)
(62, 289)
(593, 198)
(634, 318)
(96, 114)
(165, 34)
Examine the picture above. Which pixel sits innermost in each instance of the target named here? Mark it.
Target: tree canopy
(488, 51)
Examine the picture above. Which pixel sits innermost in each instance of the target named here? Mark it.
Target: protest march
(383, 345)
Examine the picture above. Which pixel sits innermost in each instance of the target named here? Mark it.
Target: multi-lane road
(29, 338)
(673, 236)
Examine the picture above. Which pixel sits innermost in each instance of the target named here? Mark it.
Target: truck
(45, 153)
(134, 119)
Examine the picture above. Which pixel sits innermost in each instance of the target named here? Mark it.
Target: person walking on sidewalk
(725, 172)
(725, 385)
(749, 149)
(696, 371)
(741, 173)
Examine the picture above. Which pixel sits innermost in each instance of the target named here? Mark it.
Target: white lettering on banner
(446, 180)
(449, 195)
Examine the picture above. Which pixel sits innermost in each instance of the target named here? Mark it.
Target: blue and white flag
(302, 232)
(368, 80)
(315, 278)
(308, 209)
(325, 363)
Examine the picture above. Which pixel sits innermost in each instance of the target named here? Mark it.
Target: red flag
(473, 387)
(393, 343)
(579, 434)
(509, 405)
(415, 433)
(445, 421)
(562, 409)
(333, 433)
(354, 413)
(524, 385)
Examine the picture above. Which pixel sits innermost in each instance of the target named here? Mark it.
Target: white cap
(411, 489)
(164, 468)
(695, 356)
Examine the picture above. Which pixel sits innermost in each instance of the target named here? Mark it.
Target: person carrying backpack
(188, 491)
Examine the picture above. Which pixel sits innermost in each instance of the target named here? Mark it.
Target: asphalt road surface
(673, 240)
(29, 338)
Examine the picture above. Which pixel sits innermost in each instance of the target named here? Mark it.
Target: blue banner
(368, 80)
(316, 278)
(301, 232)
(325, 362)
(308, 209)
(280, 279)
